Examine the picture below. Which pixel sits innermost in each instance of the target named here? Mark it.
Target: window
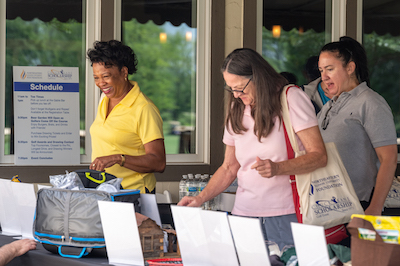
(171, 72)
(292, 32)
(167, 38)
(381, 39)
(55, 35)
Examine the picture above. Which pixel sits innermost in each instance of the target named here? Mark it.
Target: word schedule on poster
(46, 116)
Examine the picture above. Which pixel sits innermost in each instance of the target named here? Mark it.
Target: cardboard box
(367, 252)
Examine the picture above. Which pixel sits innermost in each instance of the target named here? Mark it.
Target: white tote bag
(327, 196)
(393, 197)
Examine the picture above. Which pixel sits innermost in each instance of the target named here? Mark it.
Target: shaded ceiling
(291, 14)
(159, 11)
(381, 16)
(44, 10)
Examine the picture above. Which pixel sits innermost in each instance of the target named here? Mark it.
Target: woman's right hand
(100, 163)
(191, 201)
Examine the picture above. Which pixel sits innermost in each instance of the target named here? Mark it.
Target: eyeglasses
(325, 122)
(241, 91)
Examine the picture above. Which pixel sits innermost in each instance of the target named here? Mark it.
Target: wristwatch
(122, 159)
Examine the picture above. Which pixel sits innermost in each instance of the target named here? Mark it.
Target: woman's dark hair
(291, 78)
(311, 68)
(348, 50)
(113, 53)
(268, 86)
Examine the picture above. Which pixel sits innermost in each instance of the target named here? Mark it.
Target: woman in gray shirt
(359, 121)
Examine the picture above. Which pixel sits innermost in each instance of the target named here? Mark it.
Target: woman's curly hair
(113, 53)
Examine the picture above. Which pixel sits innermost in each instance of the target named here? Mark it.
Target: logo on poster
(54, 74)
(23, 74)
(30, 75)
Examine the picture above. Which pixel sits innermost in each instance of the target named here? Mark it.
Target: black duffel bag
(93, 178)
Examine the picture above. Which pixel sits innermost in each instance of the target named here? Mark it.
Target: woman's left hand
(266, 168)
(100, 163)
(373, 211)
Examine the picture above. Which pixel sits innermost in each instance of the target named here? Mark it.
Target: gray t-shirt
(358, 122)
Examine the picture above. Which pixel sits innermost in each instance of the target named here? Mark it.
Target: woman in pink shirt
(255, 145)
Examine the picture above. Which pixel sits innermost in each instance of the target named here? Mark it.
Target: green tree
(383, 54)
(291, 50)
(54, 43)
(166, 71)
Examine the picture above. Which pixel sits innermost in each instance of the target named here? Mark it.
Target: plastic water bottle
(182, 187)
(214, 203)
(202, 184)
(191, 186)
(197, 179)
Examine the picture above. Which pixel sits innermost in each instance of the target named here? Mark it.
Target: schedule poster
(46, 115)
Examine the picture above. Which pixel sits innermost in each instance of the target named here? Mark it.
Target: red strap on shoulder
(289, 147)
(290, 152)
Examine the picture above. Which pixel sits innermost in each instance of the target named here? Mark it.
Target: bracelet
(122, 159)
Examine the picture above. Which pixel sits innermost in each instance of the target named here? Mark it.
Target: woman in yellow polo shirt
(127, 136)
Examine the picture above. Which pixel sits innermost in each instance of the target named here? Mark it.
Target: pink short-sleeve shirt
(258, 196)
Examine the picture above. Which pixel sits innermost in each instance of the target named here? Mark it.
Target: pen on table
(15, 179)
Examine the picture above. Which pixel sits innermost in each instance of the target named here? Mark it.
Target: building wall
(233, 25)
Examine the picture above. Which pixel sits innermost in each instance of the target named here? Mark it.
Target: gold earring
(126, 79)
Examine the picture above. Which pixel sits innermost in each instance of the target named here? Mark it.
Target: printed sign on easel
(46, 115)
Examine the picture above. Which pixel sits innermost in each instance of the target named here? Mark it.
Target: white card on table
(191, 236)
(310, 244)
(121, 233)
(149, 207)
(249, 241)
(227, 201)
(25, 198)
(9, 223)
(219, 238)
(39, 186)
(2, 212)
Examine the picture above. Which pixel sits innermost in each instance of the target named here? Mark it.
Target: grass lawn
(171, 144)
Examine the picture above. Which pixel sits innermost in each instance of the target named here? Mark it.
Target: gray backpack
(66, 219)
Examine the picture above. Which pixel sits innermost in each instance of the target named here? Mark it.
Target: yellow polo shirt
(132, 123)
